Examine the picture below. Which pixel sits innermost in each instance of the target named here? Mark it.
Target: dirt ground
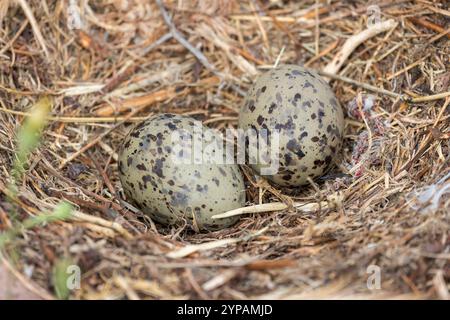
(382, 227)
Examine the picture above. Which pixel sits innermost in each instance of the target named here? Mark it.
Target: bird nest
(375, 226)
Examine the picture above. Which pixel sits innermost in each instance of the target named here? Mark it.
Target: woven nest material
(384, 209)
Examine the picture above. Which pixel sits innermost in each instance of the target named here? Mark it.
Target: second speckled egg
(171, 190)
(302, 108)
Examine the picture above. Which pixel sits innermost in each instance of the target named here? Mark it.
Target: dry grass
(127, 64)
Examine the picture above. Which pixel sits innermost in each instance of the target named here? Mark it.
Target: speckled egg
(301, 107)
(164, 174)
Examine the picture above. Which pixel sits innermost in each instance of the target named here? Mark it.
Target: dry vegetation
(386, 203)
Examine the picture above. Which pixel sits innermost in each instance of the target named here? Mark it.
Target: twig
(412, 65)
(107, 110)
(123, 283)
(190, 249)
(438, 10)
(148, 80)
(190, 276)
(353, 42)
(177, 35)
(153, 97)
(270, 264)
(428, 24)
(37, 32)
(200, 56)
(274, 206)
(219, 280)
(102, 222)
(103, 174)
(384, 91)
(361, 84)
(277, 61)
(323, 53)
(385, 54)
(432, 97)
(77, 119)
(257, 208)
(316, 28)
(117, 79)
(105, 232)
(439, 35)
(158, 42)
(260, 25)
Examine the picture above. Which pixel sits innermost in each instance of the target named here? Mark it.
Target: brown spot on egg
(260, 120)
(141, 167)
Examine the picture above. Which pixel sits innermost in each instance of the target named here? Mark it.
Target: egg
(300, 106)
(165, 175)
